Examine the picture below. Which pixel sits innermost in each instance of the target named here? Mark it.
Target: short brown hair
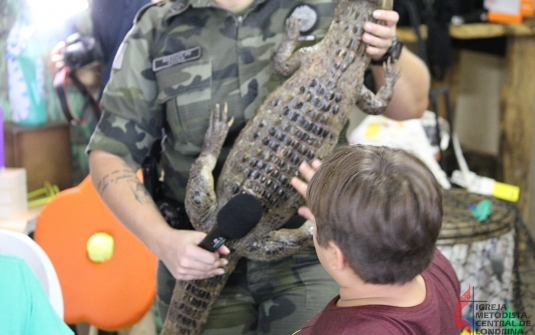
(383, 208)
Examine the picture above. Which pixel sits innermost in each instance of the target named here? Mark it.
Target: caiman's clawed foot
(293, 27)
(217, 131)
(392, 73)
(375, 104)
(201, 200)
(285, 61)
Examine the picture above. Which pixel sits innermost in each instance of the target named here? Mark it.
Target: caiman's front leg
(375, 104)
(284, 62)
(201, 201)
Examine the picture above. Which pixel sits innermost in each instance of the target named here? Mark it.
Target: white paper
(503, 6)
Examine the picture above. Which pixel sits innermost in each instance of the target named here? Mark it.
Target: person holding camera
(89, 61)
(179, 60)
(111, 22)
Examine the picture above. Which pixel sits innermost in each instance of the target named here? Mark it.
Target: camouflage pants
(263, 297)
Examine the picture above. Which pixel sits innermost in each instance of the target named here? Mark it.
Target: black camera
(80, 51)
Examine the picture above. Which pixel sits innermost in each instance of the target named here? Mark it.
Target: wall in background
(477, 109)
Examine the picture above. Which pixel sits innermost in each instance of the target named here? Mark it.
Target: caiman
(299, 121)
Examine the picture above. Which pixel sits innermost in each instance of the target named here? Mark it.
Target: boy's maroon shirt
(433, 316)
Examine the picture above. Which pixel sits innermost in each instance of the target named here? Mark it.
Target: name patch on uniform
(176, 58)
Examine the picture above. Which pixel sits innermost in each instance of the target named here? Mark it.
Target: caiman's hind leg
(376, 103)
(284, 62)
(201, 200)
(278, 243)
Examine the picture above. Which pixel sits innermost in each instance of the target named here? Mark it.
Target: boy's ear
(337, 258)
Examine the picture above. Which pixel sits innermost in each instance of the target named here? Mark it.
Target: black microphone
(234, 220)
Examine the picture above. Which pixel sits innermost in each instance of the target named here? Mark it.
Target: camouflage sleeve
(132, 116)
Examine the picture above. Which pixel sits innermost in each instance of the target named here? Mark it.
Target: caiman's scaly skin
(299, 121)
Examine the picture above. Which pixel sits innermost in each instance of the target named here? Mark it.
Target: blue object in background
(25, 76)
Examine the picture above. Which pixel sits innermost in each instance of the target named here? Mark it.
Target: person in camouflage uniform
(180, 59)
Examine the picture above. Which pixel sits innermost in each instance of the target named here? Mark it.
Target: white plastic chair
(18, 244)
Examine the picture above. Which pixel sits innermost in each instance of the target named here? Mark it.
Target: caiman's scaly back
(299, 121)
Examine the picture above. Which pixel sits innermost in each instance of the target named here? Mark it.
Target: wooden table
(517, 101)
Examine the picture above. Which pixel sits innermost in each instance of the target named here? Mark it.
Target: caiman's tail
(192, 301)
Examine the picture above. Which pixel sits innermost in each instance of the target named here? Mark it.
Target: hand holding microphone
(234, 220)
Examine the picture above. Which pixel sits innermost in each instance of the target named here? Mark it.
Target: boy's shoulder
(369, 319)
(442, 270)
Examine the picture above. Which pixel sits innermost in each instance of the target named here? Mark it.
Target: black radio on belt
(172, 211)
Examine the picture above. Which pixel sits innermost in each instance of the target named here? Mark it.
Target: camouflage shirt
(182, 58)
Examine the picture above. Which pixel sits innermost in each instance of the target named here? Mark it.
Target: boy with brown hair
(378, 213)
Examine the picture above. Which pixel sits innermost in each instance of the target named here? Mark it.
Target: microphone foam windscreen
(239, 215)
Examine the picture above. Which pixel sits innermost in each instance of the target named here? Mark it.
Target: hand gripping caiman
(299, 121)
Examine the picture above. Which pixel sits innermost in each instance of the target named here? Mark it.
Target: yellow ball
(100, 247)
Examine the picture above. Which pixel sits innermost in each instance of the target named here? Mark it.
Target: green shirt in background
(24, 305)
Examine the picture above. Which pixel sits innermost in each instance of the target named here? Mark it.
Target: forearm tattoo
(127, 176)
